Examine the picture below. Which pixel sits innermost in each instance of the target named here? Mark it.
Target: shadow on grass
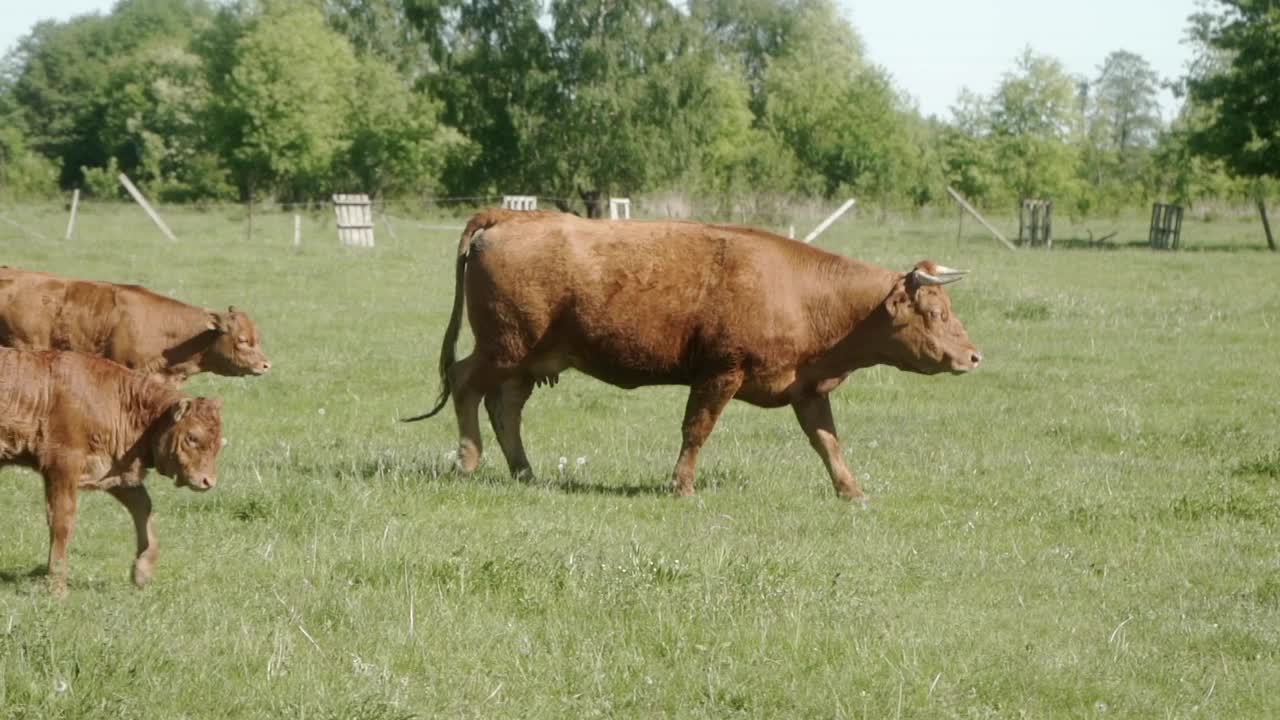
(1078, 243)
(14, 577)
(579, 487)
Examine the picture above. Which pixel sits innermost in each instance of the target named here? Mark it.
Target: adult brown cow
(85, 422)
(150, 333)
(731, 312)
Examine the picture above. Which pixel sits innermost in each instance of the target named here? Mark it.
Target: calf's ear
(180, 408)
(220, 322)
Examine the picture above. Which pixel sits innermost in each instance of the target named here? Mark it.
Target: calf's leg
(505, 404)
(138, 503)
(814, 414)
(707, 399)
(60, 507)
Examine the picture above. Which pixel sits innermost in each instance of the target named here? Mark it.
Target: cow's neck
(187, 356)
(848, 328)
(144, 404)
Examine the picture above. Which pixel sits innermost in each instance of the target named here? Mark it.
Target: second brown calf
(87, 423)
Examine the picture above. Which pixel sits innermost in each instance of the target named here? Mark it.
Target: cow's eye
(242, 340)
(935, 314)
(192, 440)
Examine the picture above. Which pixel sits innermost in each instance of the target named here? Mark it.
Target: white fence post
(75, 203)
(355, 219)
(520, 202)
(137, 196)
(830, 219)
(619, 207)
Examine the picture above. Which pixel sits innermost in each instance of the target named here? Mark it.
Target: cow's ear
(898, 304)
(181, 408)
(213, 322)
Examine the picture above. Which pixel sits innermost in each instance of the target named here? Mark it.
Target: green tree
(155, 123)
(284, 106)
(1240, 98)
(496, 84)
(1122, 126)
(397, 143)
(1034, 116)
(840, 116)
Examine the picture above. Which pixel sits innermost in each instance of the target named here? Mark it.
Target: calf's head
(924, 336)
(236, 350)
(186, 448)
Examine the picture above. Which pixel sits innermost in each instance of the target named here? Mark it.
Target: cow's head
(236, 350)
(187, 446)
(924, 335)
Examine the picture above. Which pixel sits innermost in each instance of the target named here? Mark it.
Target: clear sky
(933, 48)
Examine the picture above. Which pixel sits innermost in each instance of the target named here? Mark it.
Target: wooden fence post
(964, 204)
(1266, 224)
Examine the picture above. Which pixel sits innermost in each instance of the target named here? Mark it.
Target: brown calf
(85, 422)
(150, 333)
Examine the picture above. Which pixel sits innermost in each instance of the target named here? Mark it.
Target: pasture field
(1087, 526)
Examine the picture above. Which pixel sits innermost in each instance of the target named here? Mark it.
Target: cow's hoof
(142, 574)
(58, 589)
(682, 491)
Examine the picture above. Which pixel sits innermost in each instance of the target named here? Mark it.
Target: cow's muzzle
(200, 483)
(965, 362)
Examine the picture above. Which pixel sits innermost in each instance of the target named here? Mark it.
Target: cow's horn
(942, 278)
(944, 271)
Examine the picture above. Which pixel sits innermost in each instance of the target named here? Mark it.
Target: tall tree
(496, 85)
(1125, 102)
(285, 102)
(1242, 98)
(1034, 115)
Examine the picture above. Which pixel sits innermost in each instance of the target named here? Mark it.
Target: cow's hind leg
(505, 403)
(707, 399)
(814, 414)
(471, 379)
(138, 503)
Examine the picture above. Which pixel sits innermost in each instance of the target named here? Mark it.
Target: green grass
(1088, 526)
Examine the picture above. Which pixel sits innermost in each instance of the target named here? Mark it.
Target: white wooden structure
(619, 208)
(355, 219)
(142, 202)
(520, 202)
(822, 227)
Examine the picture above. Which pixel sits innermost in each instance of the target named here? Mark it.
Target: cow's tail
(449, 347)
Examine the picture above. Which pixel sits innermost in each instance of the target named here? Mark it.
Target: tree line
(731, 101)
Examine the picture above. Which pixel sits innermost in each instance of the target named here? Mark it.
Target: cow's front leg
(707, 399)
(60, 506)
(814, 414)
(138, 503)
(505, 404)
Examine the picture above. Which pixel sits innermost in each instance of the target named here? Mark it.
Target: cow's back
(26, 398)
(638, 302)
(29, 306)
(84, 396)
